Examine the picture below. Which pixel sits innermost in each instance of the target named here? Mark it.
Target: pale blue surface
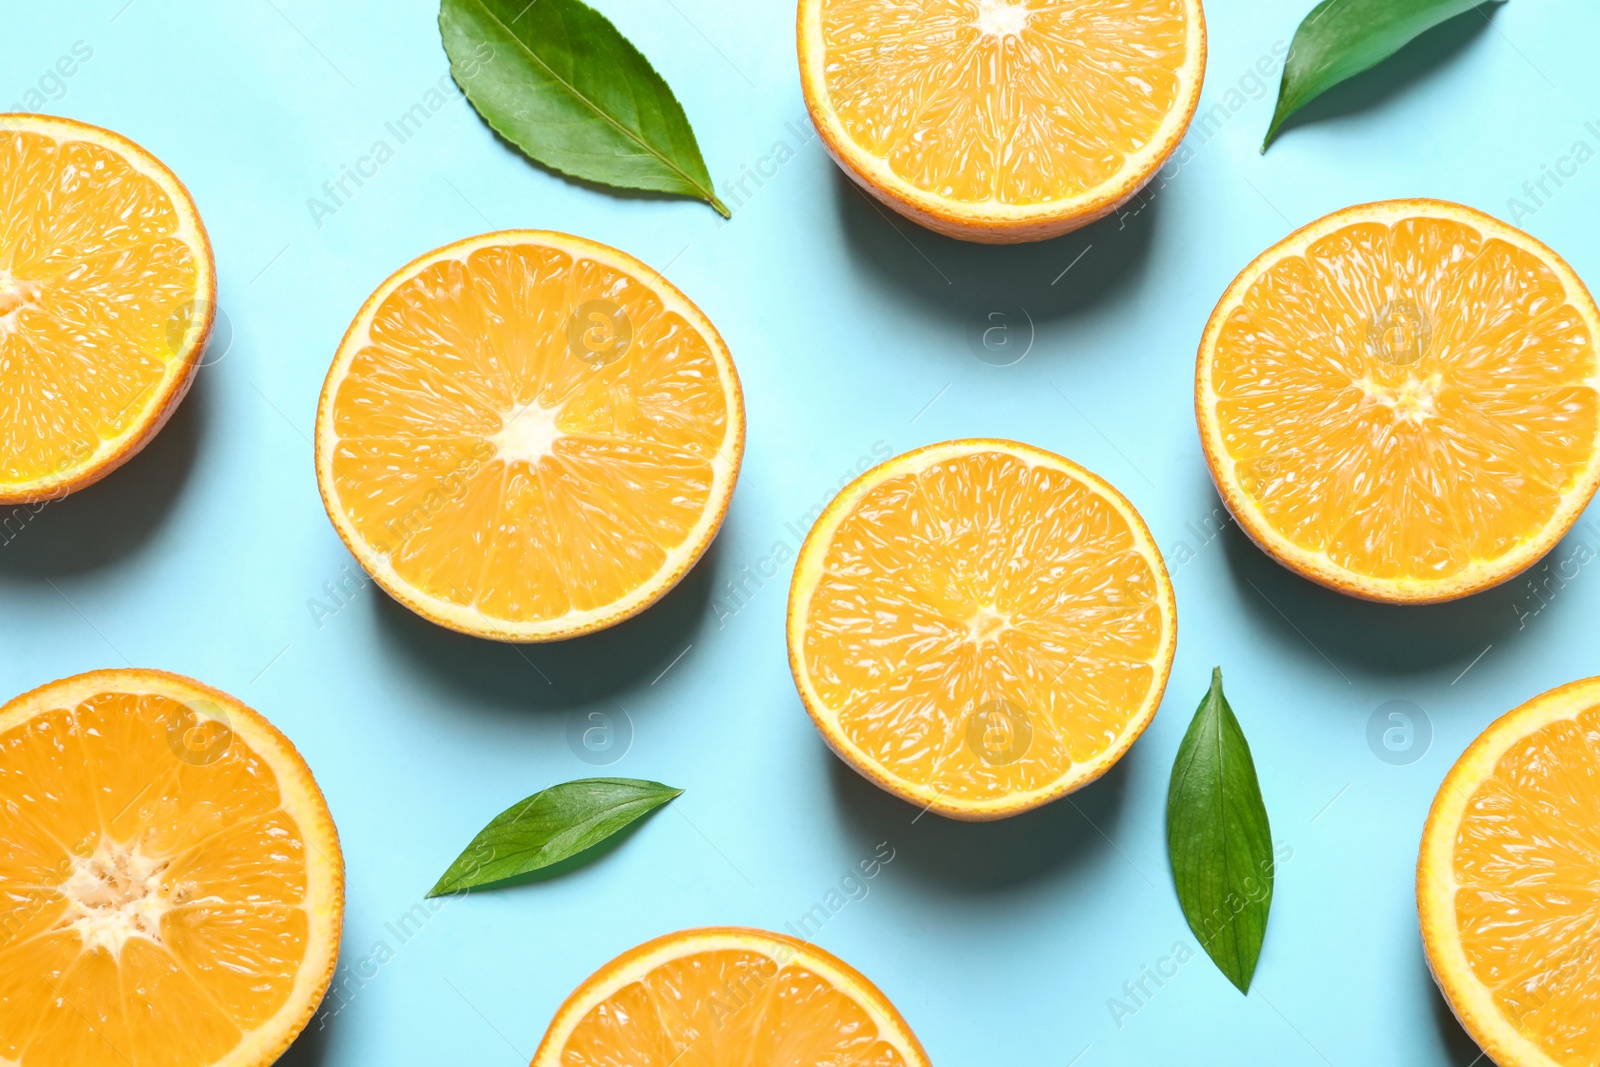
(1001, 943)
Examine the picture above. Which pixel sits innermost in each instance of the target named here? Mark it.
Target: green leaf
(1342, 38)
(1219, 840)
(557, 79)
(550, 826)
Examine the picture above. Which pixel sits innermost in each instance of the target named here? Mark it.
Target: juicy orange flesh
(1527, 860)
(1407, 399)
(502, 458)
(983, 586)
(97, 297)
(150, 906)
(728, 1007)
(1016, 101)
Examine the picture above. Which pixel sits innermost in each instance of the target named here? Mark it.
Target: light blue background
(1001, 943)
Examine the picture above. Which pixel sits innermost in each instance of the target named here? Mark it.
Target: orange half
(1401, 401)
(528, 436)
(1508, 883)
(728, 997)
(1002, 120)
(980, 627)
(171, 885)
(107, 293)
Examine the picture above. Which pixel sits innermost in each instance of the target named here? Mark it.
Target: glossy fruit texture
(107, 295)
(728, 997)
(1506, 882)
(1399, 401)
(528, 436)
(1001, 120)
(980, 626)
(171, 886)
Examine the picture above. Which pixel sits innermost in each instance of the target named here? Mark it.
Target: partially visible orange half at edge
(171, 883)
(1507, 882)
(107, 296)
(728, 997)
(1001, 120)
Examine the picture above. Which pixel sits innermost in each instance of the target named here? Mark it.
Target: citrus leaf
(1342, 38)
(559, 81)
(1219, 840)
(550, 826)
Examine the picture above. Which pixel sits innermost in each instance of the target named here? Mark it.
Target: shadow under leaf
(1413, 63)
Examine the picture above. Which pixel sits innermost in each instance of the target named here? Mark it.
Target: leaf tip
(1247, 962)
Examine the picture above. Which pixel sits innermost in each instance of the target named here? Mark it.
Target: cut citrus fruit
(727, 997)
(529, 436)
(171, 886)
(1508, 883)
(1001, 120)
(1399, 400)
(107, 293)
(980, 627)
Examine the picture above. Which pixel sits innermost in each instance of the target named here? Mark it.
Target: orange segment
(107, 292)
(528, 436)
(172, 882)
(980, 626)
(1001, 120)
(1508, 882)
(1400, 400)
(727, 997)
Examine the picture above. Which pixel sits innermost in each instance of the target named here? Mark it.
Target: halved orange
(1508, 883)
(1001, 120)
(727, 997)
(528, 436)
(107, 293)
(1399, 401)
(980, 627)
(171, 886)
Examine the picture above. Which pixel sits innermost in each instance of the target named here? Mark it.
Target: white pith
(116, 893)
(998, 18)
(527, 434)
